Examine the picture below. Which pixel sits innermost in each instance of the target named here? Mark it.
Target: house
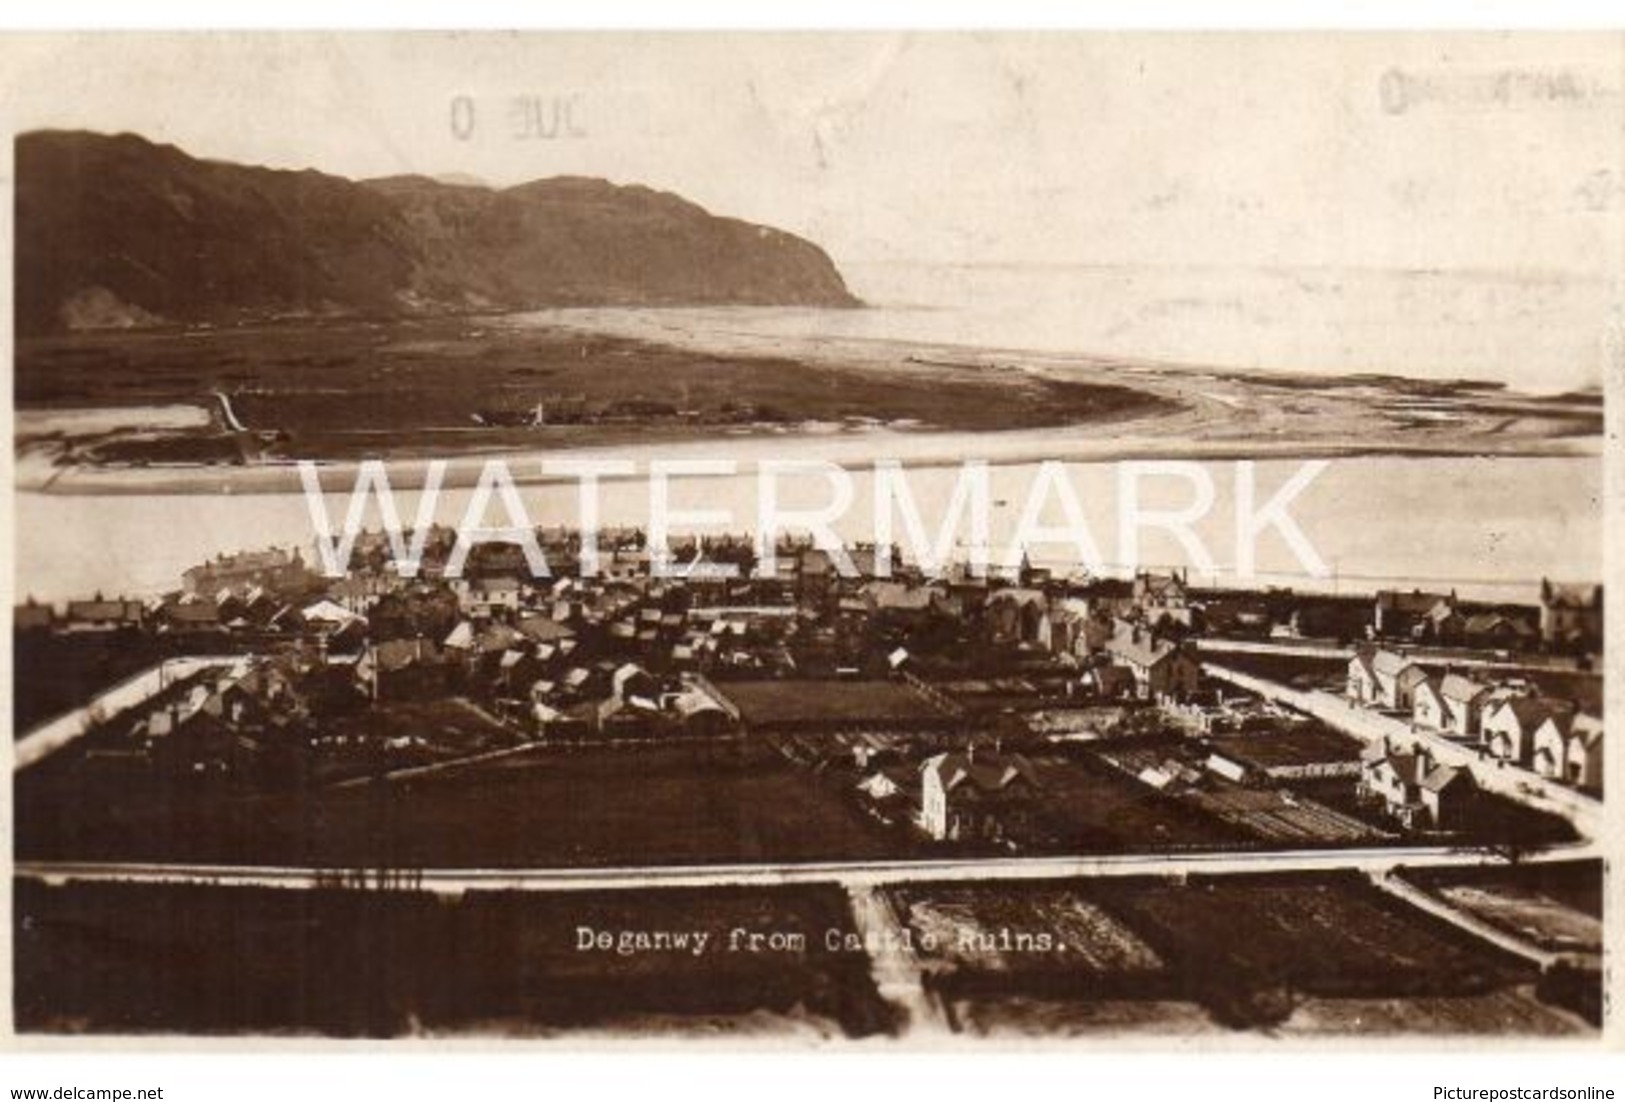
(962, 795)
(1018, 616)
(1161, 667)
(326, 615)
(1428, 708)
(403, 669)
(1384, 679)
(1162, 598)
(698, 711)
(1413, 615)
(1452, 704)
(1582, 759)
(1568, 748)
(1074, 632)
(356, 592)
(1406, 682)
(98, 615)
(274, 569)
(1509, 727)
(628, 716)
(1498, 631)
(1550, 745)
(1464, 704)
(897, 603)
(488, 595)
(1417, 791)
(189, 613)
(1571, 615)
(1105, 599)
(631, 681)
(32, 616)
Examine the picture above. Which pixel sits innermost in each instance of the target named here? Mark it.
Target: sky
(1472, 152)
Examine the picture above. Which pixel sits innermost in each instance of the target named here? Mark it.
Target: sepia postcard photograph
(827, 539)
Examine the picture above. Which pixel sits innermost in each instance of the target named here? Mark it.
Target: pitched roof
(1529, 711)
(1441, 777)
(1159, 585)
(1587, 728)
(328, 612)
(1140, 650)
(1561, 722)
(1389, 662)
(1020, 596)
(1362, 659)
(1483, 623)
(987, 772)
(1461, 690)
(1571, 594)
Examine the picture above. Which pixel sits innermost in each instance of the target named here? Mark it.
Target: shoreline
(1207, 413)
(923, 451)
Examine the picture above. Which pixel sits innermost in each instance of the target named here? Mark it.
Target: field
(1280, 820)
(208, 960)
(1304, 744)
(1091, 808)
(1305, 953)
(1555, 906)
(1253, 948)
(353, 389)
(396, 734)
(677, 805)
(1025, 936)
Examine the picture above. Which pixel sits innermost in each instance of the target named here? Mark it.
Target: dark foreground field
(1296, 953)
(638, 805)
(207, 960)
(1271, 955)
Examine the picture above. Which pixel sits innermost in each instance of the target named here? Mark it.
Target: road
(1437, 656)
(1373, 727)
(1299, 649)
(893, 965)
(227, 413)
(48, 738)
(1475, 926)
(1372, 860)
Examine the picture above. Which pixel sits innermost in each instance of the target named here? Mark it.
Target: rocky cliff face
(117, 231)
